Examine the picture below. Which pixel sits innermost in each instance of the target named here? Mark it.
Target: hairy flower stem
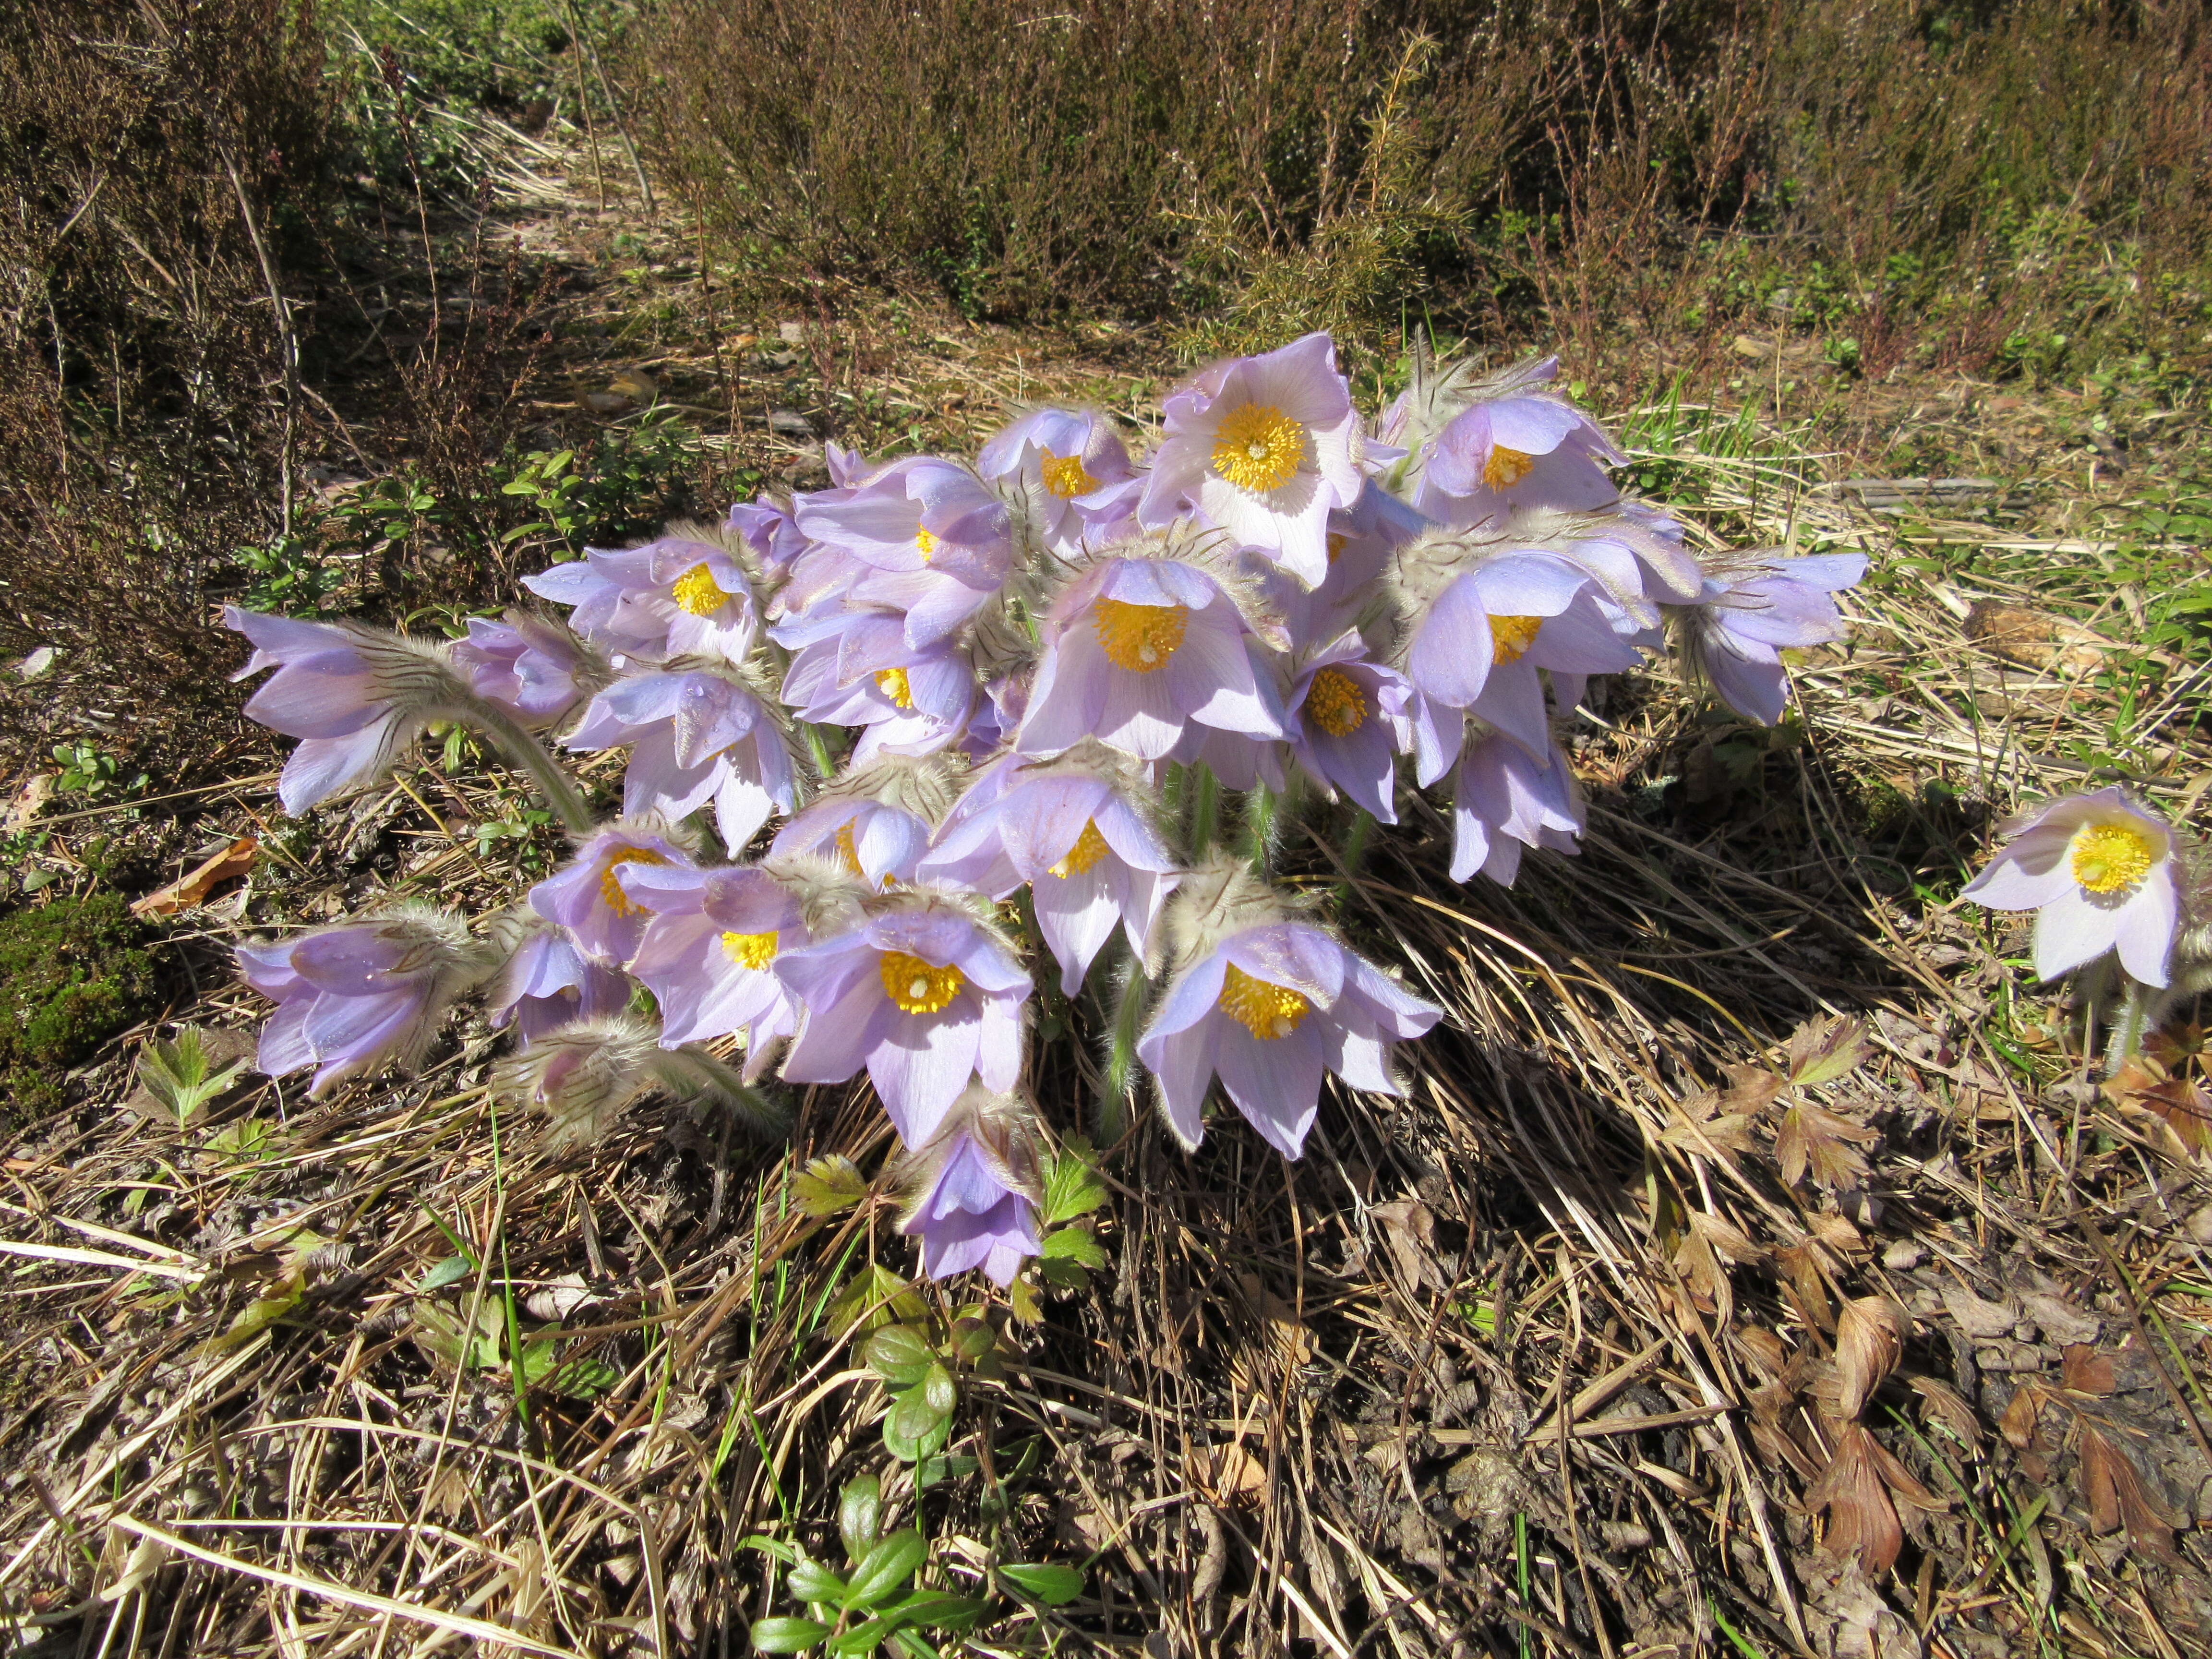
(817, 750)
(1130, 1009)
(507, 735)
(2128, 1024)
(1204, 792)
(1263, 815)
(1354, 852)
(692, 1074)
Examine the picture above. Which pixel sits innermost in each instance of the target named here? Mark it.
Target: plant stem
(692, 1072)
(1122, 1057)
(2128, 1024)
(1205, 793)
(1262, 808)
(519, 747)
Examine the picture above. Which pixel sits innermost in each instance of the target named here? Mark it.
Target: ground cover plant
(1761, 1257)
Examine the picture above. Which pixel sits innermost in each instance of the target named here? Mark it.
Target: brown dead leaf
(1862, 1519)
(2085, 1370)
(194, 886)
(1727, 1240)
(1944, 1403)
(2035, 638)
(1871, 1334)
(1812, 1137)
(1234, 1478)
(1750, 1089)
(1691, 1129)
(2021, 1415)
(1409, 1228)
(26, 807)
(1764, 1348)
(2117, 1497)
(1825, 1048)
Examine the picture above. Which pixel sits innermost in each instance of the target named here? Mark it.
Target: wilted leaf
(194, 886)
(1945, 1405)
(2117, 1496)
(2021, 1415)
(1409, 1228)
(1824, 1049)
(1751, 1090)
(1235, 1476)
(827, 1185)
(1871, 1334)
(2085, 1370)
(1984, 1320)
(1812, 1137)
(1861, 1521)
(260, 1313)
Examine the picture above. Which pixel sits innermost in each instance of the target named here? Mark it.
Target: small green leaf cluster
(1071, 1248)
(917, 1371)
(88, 769)
(877, 1590)
(179, 1075)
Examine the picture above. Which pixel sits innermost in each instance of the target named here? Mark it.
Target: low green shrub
(73, 973)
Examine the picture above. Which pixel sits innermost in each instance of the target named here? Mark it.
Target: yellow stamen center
(2110, 857)
(1139, 637)
(1090, 847)
(697, 592)
(1066, 477)
(925, 542)
(1511, 636)
(893, 682)
(610, 889)
(1336, 703)
(847, 850)
(916, 986)
(1263, 1007)
(1257, 447)
(1506, 467)
(754, 950)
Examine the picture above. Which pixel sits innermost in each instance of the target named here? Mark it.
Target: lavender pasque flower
(1505, 799)
(2100, 874)
(1518, 445)
(686, 593)
(697, 734)
(1349, 723)
(584, 896)
(974, 1190)
(547, 981)
(709, 952)
(1752, 608)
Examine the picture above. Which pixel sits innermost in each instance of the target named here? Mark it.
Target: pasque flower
(547, 981)
(2100, 872)
(771, 528)
(687, 592)
(709, 953)
(924, 993)
(1073, 467)
(1751, 609)
(973, 1188)
(1135, 649)
(1349, 723)
(585, 897)
(535, 668)
(1505, 799)
(1265, 448)
(1073, 830)
(854, 667)
(876, 818)
(352, 694)
(1518, 445)
(698, 732)
(1268, 1001)
(923, 537)
(353, 996)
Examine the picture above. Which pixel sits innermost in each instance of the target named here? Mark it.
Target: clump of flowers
(924, 768)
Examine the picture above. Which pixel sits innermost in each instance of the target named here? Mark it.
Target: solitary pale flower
(1521, 446)
(696, 735)
(923, 537)
(2099, 871)
(585, 897)
(683, 594)
(1752, 609)
(1073, 466)
(1265, 448)
(1349, 723)
(1135, 649)
(547, 981)
(352, 694)
(974, 1190)
(1070, 829)
(923, 995)
(1269, 1004)
(1484, 637)
(353, 996)
(535, 669)
(1504, 799)
(709, 953)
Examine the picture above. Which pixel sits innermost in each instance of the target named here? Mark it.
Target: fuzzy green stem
(1354, 851)
(693, 1072)
(1262, 814)
(1121, 1055)
(507, 735)
(1205, 809)
(817, 750)
(2128, 1024)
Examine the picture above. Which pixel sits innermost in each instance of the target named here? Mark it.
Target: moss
(73, 973)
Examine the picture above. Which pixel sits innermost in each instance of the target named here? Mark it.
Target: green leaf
(861, 1638)
(972, 1337)
(1074, 1244)
(450, 1270)
(912, 1429)
(860, 1514)
(1069, 1275)
(811, 1581)
(876, 1297)
(786, 1635)
(1824, 1049)
(259, 1315)
(1054, 1586)
(898, 1355)
(936, 1470)
(886, 1569)
(247, 1141)
(829, 1185)
(767, 1545)
(1072, 1185)
(937, 1609)
(176, 1073)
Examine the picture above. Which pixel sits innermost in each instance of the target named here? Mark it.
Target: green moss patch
(73, 973)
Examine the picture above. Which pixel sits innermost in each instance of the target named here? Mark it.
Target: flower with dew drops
(1075, 831)
(1504, 800)
(547, 981)
(687, 592)
(1269, 1002)
(1484, 639)
(1073, 467)
(352, 695)
(2100, 872)
(1136, 649)
(923, 993)
(357, 994)
(973, 1190)
(923, 537)
(709, 953)
(1349, 723)
(585, 896)
(697, 733)
(1265, 448)
(1752, 607)
(875, 818)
